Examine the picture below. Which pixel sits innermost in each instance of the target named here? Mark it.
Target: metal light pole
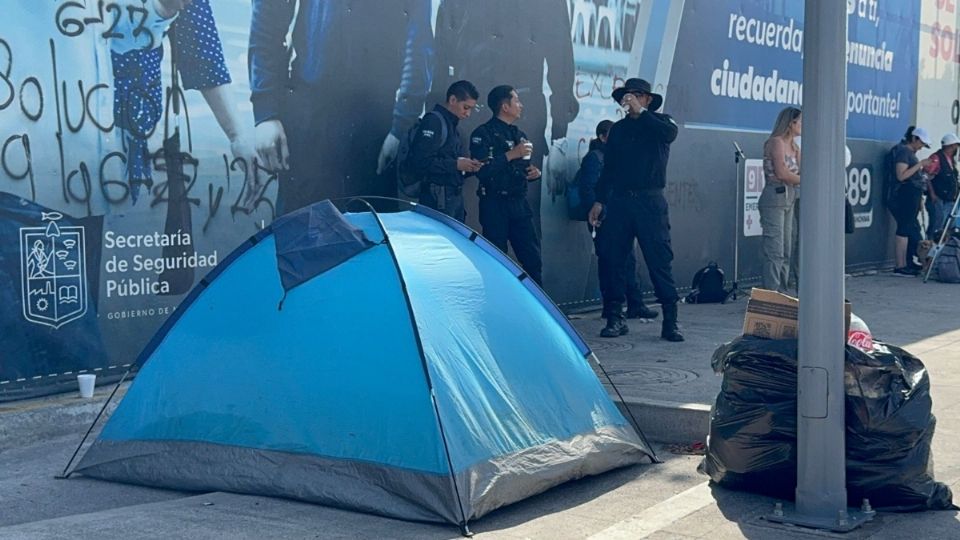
(821, 465)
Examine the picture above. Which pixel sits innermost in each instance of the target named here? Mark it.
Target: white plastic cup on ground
(86, 382)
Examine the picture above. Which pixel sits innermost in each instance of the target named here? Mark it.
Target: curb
(669, 421)
(23, 423)
(26, 422)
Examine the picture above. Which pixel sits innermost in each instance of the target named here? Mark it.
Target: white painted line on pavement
(660, 515)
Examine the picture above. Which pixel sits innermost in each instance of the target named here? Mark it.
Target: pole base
(845, 521)
(736, 292)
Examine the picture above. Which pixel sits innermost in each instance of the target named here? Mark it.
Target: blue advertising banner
(742, 63)
(141, 141)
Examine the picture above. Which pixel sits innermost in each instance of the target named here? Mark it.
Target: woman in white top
(781, 168)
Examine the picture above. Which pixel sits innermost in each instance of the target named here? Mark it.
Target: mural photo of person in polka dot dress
(138, 95)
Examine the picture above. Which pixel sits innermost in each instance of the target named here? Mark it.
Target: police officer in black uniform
(489, 41)
(505, 214)
(632, 182)
(436, 155)
(589, 174)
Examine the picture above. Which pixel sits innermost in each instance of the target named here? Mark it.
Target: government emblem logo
(53, 272)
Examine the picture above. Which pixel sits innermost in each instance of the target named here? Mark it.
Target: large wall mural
(129, 162)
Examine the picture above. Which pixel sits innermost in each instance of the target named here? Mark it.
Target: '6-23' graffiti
(73, 18)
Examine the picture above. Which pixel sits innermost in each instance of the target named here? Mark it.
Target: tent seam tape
(423, 360)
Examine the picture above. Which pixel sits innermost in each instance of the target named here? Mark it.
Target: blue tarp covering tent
(411, 371)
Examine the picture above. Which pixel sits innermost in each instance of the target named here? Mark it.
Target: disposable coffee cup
(86, 382)
(529, 145)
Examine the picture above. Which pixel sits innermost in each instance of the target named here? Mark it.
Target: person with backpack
(586, 183)
(435, 156)
(943, 189)
(907, 184)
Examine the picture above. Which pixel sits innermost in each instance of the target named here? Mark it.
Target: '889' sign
(860, 190)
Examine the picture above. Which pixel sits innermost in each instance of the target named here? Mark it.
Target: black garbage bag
(753, 424)
(890, 431)
(889, 425)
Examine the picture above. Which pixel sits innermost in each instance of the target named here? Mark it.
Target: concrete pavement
(667, 501)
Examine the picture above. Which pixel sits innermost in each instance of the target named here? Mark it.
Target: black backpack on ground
(409, 182)
(707, 286)
(948, 261)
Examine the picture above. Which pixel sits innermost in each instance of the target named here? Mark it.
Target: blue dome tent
(391, 363)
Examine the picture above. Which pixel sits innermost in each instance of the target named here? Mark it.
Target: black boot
(640, 310)
(670, 331)
(615, 327)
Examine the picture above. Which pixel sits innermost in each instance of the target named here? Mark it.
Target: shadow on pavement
(561, 498)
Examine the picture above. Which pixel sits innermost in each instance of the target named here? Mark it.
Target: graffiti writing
(30, 95)
(70, 21)
(253, 194)
(588, 84)
(683, 195)
(83, 181)
(5, 161)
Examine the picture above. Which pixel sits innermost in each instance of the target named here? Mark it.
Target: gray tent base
(360, 486)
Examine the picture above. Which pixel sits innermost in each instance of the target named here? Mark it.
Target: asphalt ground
(669, 386)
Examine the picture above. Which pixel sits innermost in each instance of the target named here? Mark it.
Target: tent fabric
(312, 240)
(350, 484)
(418, 379)
(507, 262)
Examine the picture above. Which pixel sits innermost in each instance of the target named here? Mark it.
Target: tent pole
(463, 525)
(636, 425)
(64, 475)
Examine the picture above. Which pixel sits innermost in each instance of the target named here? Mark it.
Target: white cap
(922, 134)
(949, 138)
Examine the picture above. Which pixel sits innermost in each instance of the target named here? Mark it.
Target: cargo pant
(777, 220)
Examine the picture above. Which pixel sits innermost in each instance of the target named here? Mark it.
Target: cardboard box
(775, 316)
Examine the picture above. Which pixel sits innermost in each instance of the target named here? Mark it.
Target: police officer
(505, 214)
(634, 175)
(527, 43)
(436, 152)
(589, 175)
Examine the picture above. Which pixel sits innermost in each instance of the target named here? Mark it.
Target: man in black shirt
(632, 182)
(505, 213)
(436, 152)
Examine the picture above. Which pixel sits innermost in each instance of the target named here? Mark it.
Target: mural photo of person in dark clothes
(322, 117)
(138, 103)
(497, 41)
